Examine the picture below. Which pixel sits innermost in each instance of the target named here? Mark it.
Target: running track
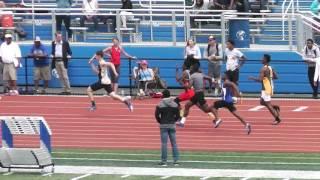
(112, 126)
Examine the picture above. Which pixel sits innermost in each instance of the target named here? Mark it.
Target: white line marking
(245, 178)
(165, 177)
(286, 179)
(80, 177)
(187, 155)
(207, 162)
(189, 172)
(301, 108)
(205, 178)
(257, 108)
(8, 173)
(47, 174)
(125, 176)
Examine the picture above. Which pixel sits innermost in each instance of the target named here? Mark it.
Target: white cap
(8, 36)
(37, 39)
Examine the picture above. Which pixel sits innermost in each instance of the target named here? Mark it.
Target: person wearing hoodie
(167, 114)
(309, 54)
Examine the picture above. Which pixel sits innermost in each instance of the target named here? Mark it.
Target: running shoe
(248, 128)
(276, 121)
(180, 124)
(92, 108)
(216, 123)
(128, 102)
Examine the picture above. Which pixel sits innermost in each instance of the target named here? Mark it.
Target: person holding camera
(41, 69)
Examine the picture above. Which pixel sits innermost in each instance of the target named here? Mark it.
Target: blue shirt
(227, 94)
(40, 51)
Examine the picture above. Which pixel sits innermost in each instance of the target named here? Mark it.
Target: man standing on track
(104, 81)
(229, 93)
(267, 74)
(114, 52)
(167, 114)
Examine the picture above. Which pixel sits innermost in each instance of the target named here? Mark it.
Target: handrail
(167, 6)
(44, 4)
(285, 12)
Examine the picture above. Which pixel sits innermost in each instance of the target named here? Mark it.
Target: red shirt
(115, 55)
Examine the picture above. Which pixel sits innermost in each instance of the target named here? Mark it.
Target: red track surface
(113, 126)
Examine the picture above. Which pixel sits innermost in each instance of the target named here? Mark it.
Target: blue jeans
(171, 132)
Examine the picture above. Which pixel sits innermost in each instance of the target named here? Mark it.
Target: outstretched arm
(106, 51)
(126, 54)
(260, 78)
(108, 64)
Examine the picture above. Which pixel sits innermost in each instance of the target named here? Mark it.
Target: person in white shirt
(192, 54)
(235, 59)
(90, 9)
(10, 57)
(310, 53)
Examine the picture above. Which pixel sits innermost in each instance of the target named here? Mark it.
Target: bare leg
(270, 107)
(115, 87)
(91, 97)
(235, 113)
(187, 107)
(90, 94)
(115, 96)
(273, 109)
(125, 100)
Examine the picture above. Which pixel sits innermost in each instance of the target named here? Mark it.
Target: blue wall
(292, 71)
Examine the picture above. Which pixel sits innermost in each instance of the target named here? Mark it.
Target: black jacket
(167, 113)
(66, 50)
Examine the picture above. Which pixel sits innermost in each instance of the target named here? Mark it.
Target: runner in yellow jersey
(267, 74)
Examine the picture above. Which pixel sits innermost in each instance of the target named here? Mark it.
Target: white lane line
(301, 108)
(47, 174)
(83, 176)
(257, 108)
(165, 177)
(245, 178)
(7, 174)
(125, 176)
(205, 178)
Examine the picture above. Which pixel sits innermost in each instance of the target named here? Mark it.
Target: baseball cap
(37, 39)
(211, 37)
(8, 36)
(144, 62)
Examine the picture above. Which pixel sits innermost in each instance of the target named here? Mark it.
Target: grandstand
(83, 142)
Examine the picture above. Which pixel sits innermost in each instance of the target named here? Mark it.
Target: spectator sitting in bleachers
(90, 8)
(223, 4)
(200, 5)
(41, 65)
(126, 4)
